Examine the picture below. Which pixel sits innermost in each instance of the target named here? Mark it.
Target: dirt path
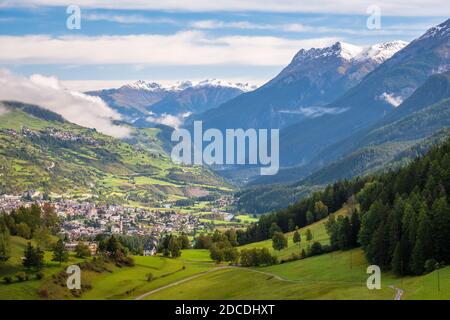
(180, 282)
(275, 276)
(398, 292)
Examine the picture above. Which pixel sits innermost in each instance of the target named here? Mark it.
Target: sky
(173, 40)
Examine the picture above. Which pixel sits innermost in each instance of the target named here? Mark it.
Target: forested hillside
(400, 218)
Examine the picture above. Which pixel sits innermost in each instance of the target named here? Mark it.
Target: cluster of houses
(86, 220)
(54, 133)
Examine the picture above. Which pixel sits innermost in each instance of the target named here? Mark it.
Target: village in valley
(82, 220)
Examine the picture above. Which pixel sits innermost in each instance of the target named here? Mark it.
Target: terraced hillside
(40, 151)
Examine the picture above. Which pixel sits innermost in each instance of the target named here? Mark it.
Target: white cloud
(314, 112)
(388, 7)
(125, 18)
(48, 93)
(174, 121)
(183, 48)
(401, 29)
(246, 25)
(391, 99)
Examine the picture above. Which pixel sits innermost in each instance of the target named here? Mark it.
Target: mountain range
(331, 103)
(140, 99)
(302, 90)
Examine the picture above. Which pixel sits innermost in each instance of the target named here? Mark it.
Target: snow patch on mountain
(182, 85)
(382, 51)
(378, 52)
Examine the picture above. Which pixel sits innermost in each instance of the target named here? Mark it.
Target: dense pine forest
(401, 219)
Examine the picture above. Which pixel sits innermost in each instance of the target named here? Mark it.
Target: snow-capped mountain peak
(339, 49)
(347, 51)
(380, 52)
(182, 85)
(144, 85)
(222, 83)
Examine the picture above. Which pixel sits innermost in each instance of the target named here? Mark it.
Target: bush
(150, 276)
(21, 276)
(316, 249)
(39, 275)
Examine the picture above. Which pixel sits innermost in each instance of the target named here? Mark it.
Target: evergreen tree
(423, 247)
(296, 238)
(309, 217)
(5, 245)
(33, 257)
(377, 252)
(60, 253)
(344, 233)
(309, 235)
(441, 230)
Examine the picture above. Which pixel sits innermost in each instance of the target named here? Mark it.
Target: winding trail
(399, 292)
(142, 296)
(275, 276)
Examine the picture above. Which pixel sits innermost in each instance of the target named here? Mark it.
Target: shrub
(7, 279)
(21, 276)
(150, 276)
(316, 249)
(39, 275)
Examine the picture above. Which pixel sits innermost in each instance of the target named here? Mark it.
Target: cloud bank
(183, 48)
(389, 7)
(48, 93)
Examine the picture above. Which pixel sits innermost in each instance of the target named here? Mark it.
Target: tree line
(403, 223)
(305, 212)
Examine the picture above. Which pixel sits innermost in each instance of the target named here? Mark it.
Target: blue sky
(179, 40)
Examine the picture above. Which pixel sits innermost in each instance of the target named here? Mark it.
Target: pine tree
(309, 235)
(344, 233)
(5, 246)
(297, 238)
(377, 252)
(423, 248)
(441, 230)
(33, 258)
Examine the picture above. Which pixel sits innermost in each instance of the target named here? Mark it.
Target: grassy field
(127, 283)
(338, 275)
(26, 289)
(119, 283)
